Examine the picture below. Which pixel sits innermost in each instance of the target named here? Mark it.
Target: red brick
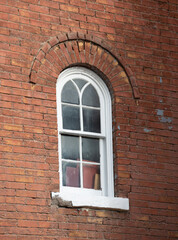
(49, 4)
(78, 17)
(134, 46)
(96, 20)
(87, 12)
(49, 18)
(69, 8)
(89, 26)
(69, 22)
(9, 9)
(39, 9)
(95, 6)
(31, 29)
(31, 1)
(107, 2)
(78, 3)
(39, 23)
(106, 15)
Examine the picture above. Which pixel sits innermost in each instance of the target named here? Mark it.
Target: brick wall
(132, 45)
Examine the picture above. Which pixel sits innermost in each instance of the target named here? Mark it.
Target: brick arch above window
(72, 49)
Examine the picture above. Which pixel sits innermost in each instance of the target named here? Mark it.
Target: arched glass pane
(91, 120)
(70, 94)
(80, 83)
(90, 97)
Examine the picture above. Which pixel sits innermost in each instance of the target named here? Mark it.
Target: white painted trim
(113, 203)
(106, 129)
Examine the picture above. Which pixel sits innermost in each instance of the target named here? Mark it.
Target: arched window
(85, 138)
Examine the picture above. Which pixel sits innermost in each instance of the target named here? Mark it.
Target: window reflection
(90, 149)
(90, 97)
(71, 174)
(71, 117)
(91, 120)
(91, 176)
(70, 147)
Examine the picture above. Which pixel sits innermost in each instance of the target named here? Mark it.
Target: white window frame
(103, 198)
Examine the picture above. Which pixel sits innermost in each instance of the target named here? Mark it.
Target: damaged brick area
(59, 202)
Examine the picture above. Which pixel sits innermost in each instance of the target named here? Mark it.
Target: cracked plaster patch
(163, 119)
(147, 130)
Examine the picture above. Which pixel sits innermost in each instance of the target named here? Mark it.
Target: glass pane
(91, 176)
(71, 117)
(91, 120)
(71, 174)
(90, 97)
(70, 147)
(90, 149)
(80, 83)
(70, 94)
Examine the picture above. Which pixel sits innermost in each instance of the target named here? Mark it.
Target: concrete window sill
(100, 202)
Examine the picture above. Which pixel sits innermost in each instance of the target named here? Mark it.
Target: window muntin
(85, 147)
(80, 155)
(80, 102)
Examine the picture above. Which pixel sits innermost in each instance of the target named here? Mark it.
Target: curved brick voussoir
(73, 49)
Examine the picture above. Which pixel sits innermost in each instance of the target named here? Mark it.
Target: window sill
(100, 202)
